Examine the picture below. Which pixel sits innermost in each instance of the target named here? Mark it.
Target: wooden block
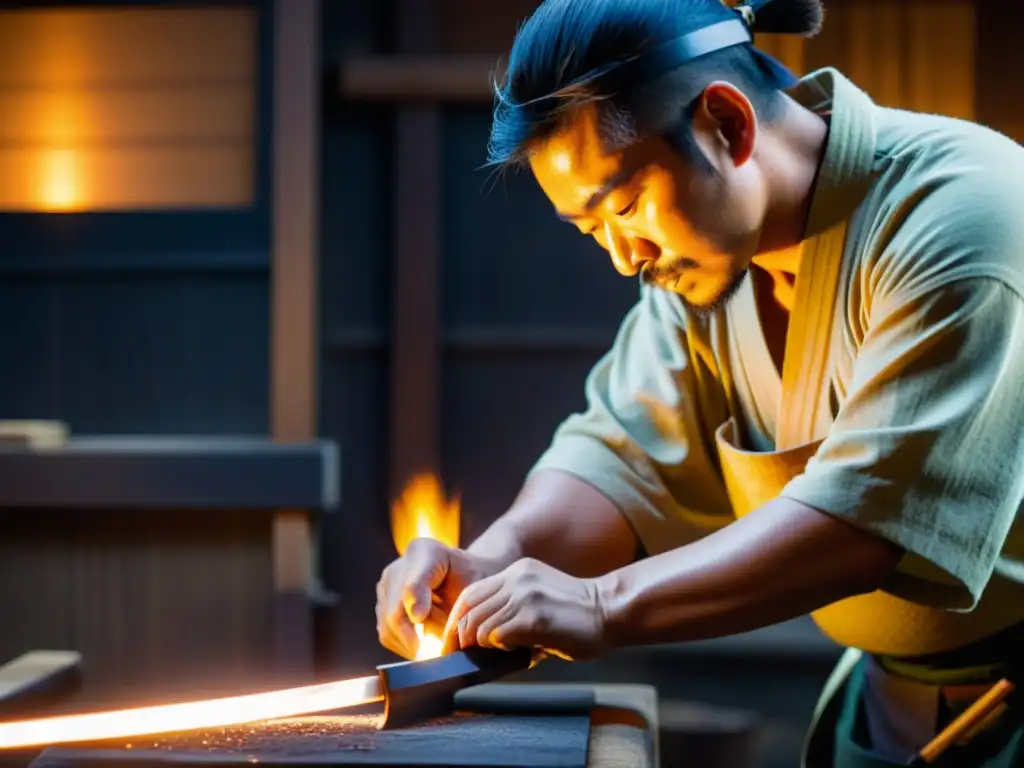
(37, 678)
(33, 434)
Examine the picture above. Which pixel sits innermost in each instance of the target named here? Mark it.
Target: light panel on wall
(127, 108)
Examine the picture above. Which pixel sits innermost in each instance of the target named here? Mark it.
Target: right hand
(421, 587)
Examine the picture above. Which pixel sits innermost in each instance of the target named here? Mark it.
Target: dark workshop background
(267, 219)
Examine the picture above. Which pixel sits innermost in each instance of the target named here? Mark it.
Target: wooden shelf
(173, 473)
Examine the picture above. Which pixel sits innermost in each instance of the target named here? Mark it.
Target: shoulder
(947, 204)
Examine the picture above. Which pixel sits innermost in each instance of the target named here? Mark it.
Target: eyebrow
(607, 187)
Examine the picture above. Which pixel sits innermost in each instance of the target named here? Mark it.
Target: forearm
(560, 520)
(782, 561)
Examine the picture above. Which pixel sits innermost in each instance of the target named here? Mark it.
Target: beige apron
(877, 622)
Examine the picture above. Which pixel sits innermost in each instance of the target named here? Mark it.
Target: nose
(628, 253)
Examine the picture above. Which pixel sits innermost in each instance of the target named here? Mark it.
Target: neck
(794, 148)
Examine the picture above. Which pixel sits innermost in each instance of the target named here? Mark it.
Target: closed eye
(629, 210)
(625, 213)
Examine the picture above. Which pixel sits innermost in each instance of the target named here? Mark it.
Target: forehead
(573, 164)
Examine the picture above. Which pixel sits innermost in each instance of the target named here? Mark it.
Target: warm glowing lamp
(60, 182)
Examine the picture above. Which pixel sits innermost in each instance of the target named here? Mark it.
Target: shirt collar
(846, 169)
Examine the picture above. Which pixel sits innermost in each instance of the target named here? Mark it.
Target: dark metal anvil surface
(507, 726)
(467, 740)
(437, 715)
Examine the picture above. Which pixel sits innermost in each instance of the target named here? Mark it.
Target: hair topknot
(788, 17)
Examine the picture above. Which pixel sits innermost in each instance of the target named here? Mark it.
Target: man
(815, 405)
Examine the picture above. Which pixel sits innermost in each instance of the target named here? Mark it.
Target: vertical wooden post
(415, 320)
(296, 86)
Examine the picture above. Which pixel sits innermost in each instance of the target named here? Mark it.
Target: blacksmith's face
(688, 229)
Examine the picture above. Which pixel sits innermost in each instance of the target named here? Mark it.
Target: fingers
(394, 629)
(426, 568)
(491, 631)
(405, 596)
(471, 597)
(468, 628)
(475, 605)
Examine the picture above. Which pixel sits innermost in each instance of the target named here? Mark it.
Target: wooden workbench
(624, 720)
(584, 725)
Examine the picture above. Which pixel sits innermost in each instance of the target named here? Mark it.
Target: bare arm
(564, 522)
(781, 561)
(614, 473)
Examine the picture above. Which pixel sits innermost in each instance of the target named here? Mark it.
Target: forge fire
(423, 511)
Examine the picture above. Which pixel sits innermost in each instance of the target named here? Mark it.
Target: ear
(725, 109)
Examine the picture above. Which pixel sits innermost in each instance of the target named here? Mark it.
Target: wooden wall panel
(917, 55)
(940, 58)
(161, 606)
(76, 46)
(127, 108)
(787, 49)
(471, 27)
(154, 351)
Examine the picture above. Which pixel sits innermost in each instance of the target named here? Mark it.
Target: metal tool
(422, 690)
(412, 691)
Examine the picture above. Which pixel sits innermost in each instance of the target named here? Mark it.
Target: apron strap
(818, 745)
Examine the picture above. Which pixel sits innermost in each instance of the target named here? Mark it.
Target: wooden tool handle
(967, 720)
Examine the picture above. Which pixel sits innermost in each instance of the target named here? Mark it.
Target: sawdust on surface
(276, 738)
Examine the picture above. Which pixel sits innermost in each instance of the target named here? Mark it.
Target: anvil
(412, 691)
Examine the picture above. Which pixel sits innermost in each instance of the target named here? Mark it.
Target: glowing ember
(169, 718)
(423, 512)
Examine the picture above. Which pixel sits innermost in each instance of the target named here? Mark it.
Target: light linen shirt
(904, 355)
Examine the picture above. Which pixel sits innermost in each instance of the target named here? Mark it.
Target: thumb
(428, 568)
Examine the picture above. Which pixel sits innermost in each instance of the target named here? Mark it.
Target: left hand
(532, 605)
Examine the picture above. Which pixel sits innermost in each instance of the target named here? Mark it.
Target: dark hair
(562, 53)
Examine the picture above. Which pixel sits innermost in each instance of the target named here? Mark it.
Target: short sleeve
(927, 449)
(643, 440)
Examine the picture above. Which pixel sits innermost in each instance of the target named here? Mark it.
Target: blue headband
(668, 56)
(664, 58)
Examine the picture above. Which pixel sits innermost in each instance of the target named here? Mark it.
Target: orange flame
(422, 511)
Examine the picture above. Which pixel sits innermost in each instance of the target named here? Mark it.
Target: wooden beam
(420, 79)
(294, 309)
(415, 347)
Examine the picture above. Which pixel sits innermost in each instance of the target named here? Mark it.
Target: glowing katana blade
(211, 713)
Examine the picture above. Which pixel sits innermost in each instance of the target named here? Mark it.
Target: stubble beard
(654, 275)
